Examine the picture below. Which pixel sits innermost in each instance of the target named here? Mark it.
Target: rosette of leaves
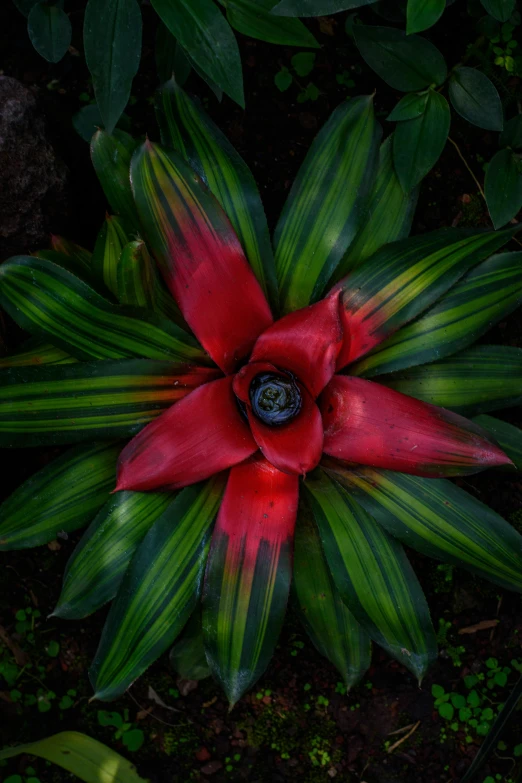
(307, 428)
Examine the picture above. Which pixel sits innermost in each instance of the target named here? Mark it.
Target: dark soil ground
(298, 723)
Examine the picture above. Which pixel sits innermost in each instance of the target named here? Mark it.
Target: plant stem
(465, 162)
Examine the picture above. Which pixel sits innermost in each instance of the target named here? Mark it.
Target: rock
(32, 178)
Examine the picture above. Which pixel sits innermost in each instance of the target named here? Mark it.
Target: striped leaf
(111, 156)
(140, 285)
(508, 437)
(248, 574)
(63, 496)
(487, 294)
(97, 565)
(323, 214)
(78, 402)
(71, 264)
(329, 623)
(388, 217)
(84, 756)
(75, 252)
(35, 352)
(159, 590)
(403, 279)
(373, 576)
(438, 519)
(187, 128)
(54, 304)
(107, 251)
(481, 379)
(135, 276)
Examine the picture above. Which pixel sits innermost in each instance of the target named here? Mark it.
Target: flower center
(274, 399)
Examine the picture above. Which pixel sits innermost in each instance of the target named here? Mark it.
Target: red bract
(284, 400)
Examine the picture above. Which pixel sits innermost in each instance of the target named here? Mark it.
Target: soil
(298, 723)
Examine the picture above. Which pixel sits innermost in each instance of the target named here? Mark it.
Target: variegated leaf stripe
(373, 575)
(481, 379)
(438, 519)
(329, 623)
(54, 304)
(159, 590)
(111, 156)
(35, 352)
(139, 283)
(488, 293)
(188, 129)
(404, 278)
(63, 496)
(75, 252)
(97, 565)
(135, 274)
(323, 212)
(82, 401)
(388, 217)
(508, 437)
(107, 251)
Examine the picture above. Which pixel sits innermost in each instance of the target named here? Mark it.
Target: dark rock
(32, 177)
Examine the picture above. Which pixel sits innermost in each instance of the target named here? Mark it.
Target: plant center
(274, 399)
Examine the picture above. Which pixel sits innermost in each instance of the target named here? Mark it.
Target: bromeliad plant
(314, 417)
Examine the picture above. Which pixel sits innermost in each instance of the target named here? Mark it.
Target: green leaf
(373, 575)
(283, 79)
(188, 654)
(405, 62)
(388, 217)
(511, 136)
(488, 293)
(404, 278)
(508, 437)
(111, 156)
(439, 519)
(112, 42)
(422, 14)
(499, 9)
(25, 6)
(77, 254)
(33, 353)
(331, 626)
(503, 186)
(188, 129)
(418, 143)
(412, 105)
(316, 7)
(54, 304)
(159, 590)
(476, 98)
(170, 57)
(303, 63)
(85, 757)
(204, 33)
(88, 120)
(97, 565)
(50, 31)
(63, 496)
(136, 278)
(110, 242)
(321, 215)
(482, 379)
(253, 18)
(76, 402)
(496, 731)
